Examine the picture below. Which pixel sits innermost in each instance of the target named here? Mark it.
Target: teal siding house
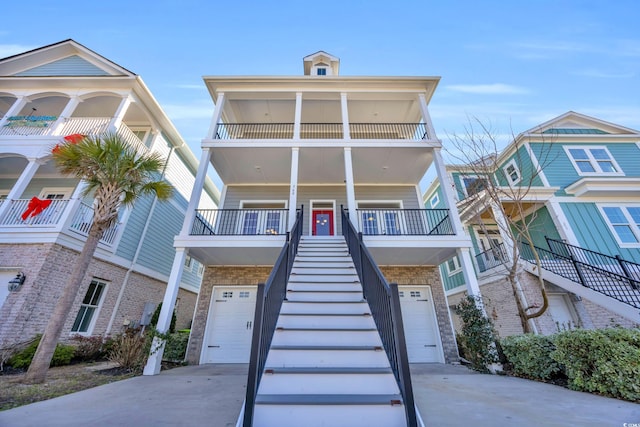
(578, 179)
(66, 89)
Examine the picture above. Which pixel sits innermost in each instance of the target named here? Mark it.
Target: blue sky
(512, 64)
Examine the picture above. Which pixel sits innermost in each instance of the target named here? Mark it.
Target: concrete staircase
(326, 365)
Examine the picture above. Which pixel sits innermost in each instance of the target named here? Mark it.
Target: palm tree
(116, 174)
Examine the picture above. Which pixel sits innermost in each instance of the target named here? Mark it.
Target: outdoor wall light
(16, 282)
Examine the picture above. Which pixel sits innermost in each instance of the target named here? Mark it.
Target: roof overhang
(604, 187)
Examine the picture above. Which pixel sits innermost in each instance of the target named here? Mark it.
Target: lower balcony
(25, 216)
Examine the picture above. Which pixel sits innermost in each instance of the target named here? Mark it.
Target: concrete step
(320, 307)
(326, 337)
(314, 320)
(324, 278)
(298, 263)
(315, 415)
(323, 270)
(322, 249)
(324, 287)
(320, 257)
(328, 296)
(327, 356)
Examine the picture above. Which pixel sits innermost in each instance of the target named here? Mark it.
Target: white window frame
(316, 204)
(381, 222)
(262, 222)
(507, 175)
(65, 191)
(145, 139)
(433, 202)
(201, 268)
(635, 229)
(97, 308)
(592, 160)
(188, 263)
(464, 187)
(456, 263)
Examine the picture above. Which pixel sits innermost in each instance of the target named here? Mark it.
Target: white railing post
(23, 181)
(298, 117)
(293, 187)
(345, 116)
(351, 194)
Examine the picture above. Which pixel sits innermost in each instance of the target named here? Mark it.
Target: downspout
(138, 250)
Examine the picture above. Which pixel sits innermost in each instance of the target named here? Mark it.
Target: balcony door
(262, 218)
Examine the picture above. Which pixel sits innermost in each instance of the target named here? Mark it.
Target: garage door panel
(230, 325)
(418, 317)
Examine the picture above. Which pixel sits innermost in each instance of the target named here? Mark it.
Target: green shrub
(176, 347)
(605, 361)
(478, 336)
(89, 348)
(156, 314)
(530, 356)
(129, 349)
(62, 355)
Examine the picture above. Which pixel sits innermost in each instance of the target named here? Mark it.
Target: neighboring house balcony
(24, 222)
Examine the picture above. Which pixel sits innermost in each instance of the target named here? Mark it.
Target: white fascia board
(604, 187)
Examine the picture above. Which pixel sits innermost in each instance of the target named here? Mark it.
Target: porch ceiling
(320, 163)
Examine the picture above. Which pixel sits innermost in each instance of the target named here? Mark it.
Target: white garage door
(420, 328)
(230, 325)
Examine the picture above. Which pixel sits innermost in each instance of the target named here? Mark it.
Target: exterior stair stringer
(611, 304)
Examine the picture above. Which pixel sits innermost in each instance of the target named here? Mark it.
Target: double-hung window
(89, 308)
(593, 160)
(453, 266)
(624, 222)
(512, 172)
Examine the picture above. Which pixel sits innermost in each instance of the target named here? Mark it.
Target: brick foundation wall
(218, 276)
(429, 276)
(47, 267)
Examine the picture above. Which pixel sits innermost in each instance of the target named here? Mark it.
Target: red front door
(322, 223)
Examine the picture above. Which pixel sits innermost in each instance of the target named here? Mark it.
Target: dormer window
(321, 71)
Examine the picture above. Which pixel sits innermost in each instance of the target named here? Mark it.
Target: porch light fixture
(16, 282)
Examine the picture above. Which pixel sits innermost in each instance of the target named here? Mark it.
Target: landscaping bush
(605, 361)
(176, 347)
(129, 349)
(89, 348)
(62, 355)
(156, 314)
(530, 356)
(477, 337)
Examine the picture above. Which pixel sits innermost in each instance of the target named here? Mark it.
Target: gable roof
(65, 58)
(572, 123)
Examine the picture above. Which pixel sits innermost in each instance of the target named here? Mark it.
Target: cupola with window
(321, 64)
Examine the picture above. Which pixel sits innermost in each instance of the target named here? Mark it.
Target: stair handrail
(592, 277)
(628, 269)
(384, 301)
(269, 298)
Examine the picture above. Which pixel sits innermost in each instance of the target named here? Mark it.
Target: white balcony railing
(28, 125)
(48, 217)
(128, 135)
(85, 125)
(83, 219)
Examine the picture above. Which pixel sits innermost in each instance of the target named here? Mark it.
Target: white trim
(434, 200)
(98, 308)
(66, 191)
(381, 220)
(507, 175)
(536, 165)
(635, 228)
(335, 219)
(284, 202)
(461, 178)
(592, 160)
(456, 262)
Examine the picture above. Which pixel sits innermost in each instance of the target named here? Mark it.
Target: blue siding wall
(540, 226)
(157, 250)
(71, 66)
(453, 281)
(133, 228)
(592, 231)
(560, 171)
(524, 163)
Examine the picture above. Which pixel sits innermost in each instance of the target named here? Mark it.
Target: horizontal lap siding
(71, 66)
(237, 194)
(540, 226)
(133, 228)
(157, 250)
(406, 194)
(523, 161)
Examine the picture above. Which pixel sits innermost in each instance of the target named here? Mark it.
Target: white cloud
(603, 74)
(488, 89)
(13, 49)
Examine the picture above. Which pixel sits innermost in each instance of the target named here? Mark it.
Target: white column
(447, 192)
(116, 121)
(293, 187)
(426, 117)
(469, 274)
(297, 121)
(164, 320)
(503, 227)
(345, 116)
(66, 113)
(19, 103)
(198, 185)
(217, 113)
(351, 194)
(25, 178)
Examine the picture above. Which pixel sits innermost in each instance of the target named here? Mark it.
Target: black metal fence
(491, 258)
(384, 301)
(403, 131)
(269, 300)
(240, 222)
(615, 264)
(598, 279)
(405, 222)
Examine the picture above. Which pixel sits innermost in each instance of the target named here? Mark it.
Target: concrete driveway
(212, 395)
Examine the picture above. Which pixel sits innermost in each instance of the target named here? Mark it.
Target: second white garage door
(420, 327)
(230, 325)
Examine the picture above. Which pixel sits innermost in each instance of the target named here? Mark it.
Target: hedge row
(604, 361)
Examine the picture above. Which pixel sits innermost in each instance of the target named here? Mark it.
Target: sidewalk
(212, 395)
